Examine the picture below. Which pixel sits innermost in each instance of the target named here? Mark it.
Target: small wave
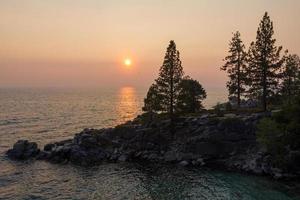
(45, 131)
(9, 122)
(14, 121)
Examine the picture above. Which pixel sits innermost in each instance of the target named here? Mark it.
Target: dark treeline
(261, 73)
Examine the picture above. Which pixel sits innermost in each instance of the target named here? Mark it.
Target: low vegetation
(280, 134)
(260, 78)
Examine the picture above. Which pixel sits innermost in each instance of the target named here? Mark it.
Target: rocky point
(227, 142)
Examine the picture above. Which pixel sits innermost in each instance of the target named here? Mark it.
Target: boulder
(170, 156)
(87, 157)
(277, 173)
(198, 162)
(43, 155)
(123, 158)
(49, 147)
(86, 140)
(184, 163)
(23, 149)
(153, 156)
(229, 115)
(293, 159)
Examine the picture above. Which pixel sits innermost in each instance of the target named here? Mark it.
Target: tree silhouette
(235, 67)
(152, 100)
(290, 85)
(264, 62)
(170, 75)
(190, 96)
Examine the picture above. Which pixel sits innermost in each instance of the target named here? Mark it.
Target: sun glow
(127, 62)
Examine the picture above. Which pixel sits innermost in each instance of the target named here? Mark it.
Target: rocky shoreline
(227, 142)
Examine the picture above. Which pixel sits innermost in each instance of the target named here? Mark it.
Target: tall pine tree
(170, 75)
(264, 61)
(290, 85)
(234, 65)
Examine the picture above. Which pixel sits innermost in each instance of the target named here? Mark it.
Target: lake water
(47, 115)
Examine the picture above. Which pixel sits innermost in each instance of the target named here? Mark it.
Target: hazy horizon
(84, 43)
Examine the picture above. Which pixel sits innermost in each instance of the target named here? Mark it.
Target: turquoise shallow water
(41, 180)
(51, 115)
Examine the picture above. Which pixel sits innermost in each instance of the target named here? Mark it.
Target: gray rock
(23, 150)
(170, 156)
(49, 147)
(87, 141)
(87, 157)
(200, 161)
(123, 158)
(277, 173)
(294, 160)
(43, 155)
(153, 156)
(184, 163)
(229, 115)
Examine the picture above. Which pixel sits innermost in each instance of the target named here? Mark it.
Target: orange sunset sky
(84, 43)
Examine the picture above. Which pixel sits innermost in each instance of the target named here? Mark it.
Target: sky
(83, 43)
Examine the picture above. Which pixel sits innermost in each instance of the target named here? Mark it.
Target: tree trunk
(171, 101)
(171, 93)
(264, 96)
(289, 90)
(239, 83)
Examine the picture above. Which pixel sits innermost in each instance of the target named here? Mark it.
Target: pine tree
(290, 85)
(264, 61)
(170, 75)
(152, 100)
(235, 67)
(191, 96)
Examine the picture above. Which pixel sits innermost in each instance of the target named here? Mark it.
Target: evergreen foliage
(170, 75)
(264, 62)
(152, 100)
(290, 86)
(163, 95)
(171, 93)
(235, 67)
(190, 96)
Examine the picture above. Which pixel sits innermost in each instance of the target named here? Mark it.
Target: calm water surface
(46, 115)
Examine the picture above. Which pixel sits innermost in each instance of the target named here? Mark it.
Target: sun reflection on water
(128, 105)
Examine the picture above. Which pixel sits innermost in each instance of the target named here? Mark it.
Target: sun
(127, 62)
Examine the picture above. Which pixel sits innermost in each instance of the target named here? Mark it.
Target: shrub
(269, 135)
(281, 133)
(219, 109)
